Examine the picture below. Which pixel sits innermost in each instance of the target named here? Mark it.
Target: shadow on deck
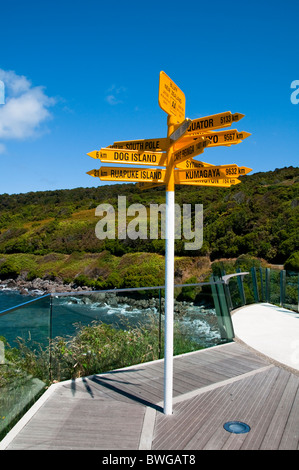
(123, 409)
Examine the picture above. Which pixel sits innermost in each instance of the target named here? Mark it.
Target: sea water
(32, 321)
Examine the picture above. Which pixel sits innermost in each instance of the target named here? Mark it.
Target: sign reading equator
(215, 121)
(171, 99)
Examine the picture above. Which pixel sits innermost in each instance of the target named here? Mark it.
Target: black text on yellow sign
(171, 98)
(131, 174)
(191, 163)
(216, 182)
(221, 171)
(147, 145)
(111, 155)
(215, 121)
(225, 138)
(190, 150)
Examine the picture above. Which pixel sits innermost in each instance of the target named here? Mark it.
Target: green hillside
(53, 232)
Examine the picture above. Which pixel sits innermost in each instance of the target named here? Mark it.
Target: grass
(95, 348)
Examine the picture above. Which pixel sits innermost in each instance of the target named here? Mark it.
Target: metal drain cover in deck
(237, 427)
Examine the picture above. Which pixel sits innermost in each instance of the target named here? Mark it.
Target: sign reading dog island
(185, 140)
(109, 155)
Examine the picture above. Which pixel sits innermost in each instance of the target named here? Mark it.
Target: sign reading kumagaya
(171, 98)
(111, 155)
(221, 171)
(133, 175)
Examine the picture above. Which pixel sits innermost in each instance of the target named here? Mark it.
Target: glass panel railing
(291, 296)
(196, 324)
(234, 293)
(63, 336)
(132, 318)
(274, 286)
(24, 361)
(102, 330)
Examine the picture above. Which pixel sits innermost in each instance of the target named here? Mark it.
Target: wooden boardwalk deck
(123, 409)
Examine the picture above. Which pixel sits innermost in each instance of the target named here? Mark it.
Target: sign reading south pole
(147, 145)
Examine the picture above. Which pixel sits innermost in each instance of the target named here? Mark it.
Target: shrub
(9, 270)
(292, 263)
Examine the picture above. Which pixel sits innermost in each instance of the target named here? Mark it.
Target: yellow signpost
(147, 145)
(185, 140)
(190, 150)
(215, 121)
(171, 98)
(112, 155)
(191, 163)
(153, 175)
(226, 138)
(222, 171)
(216, 182)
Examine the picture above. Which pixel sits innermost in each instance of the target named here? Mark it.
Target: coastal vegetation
(51, 234)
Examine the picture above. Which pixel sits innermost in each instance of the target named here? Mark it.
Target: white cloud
(25, 108)
(115, 95)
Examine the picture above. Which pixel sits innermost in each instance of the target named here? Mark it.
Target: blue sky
(80, 75)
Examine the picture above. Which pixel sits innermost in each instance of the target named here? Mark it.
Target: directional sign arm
(147, 145)
(112, 155)
(215, 182)
(216, 138)
(190, 150)
(214, 121)
(221, 171)
(151, 175)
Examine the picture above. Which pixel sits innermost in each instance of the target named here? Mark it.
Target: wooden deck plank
(230, 382)
(277, 427)
(290, 437)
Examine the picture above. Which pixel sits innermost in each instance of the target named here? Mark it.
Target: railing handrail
(24, 304)
(129, 289)
(227, 277)
(104, 291)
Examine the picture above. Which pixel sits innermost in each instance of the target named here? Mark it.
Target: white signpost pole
(169, 280)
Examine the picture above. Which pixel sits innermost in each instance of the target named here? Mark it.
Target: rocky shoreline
(40, 286)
